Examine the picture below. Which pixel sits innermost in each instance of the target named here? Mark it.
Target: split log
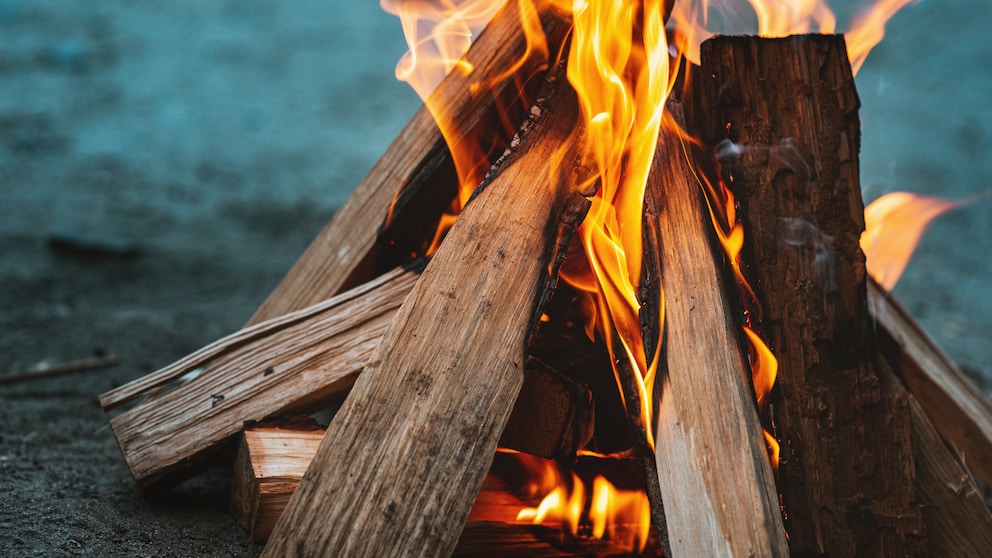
(415, 178)
(407, 452)
(960, 413)
(716, 478)
(287, 364)
(270, 462)
(787, 110)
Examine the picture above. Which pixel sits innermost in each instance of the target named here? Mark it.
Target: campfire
(605, 293)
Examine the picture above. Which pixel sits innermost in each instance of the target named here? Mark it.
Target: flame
(623, 516)
(692, 24)
(780, 18)
(868, 29)
(438, 34)
(620, 68)
(894, 224)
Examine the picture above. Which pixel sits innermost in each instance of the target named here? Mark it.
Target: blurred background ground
(220, 136)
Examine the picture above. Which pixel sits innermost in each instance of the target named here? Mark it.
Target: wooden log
(270, 462)
(405, 456)
(958, 522)
(415, 178)
(958, 410)
(786, 112)
(317, 354)
(288, 364)
(716, 479)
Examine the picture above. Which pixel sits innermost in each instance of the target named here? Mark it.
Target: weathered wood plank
(716, 479)
(284, 365)
(960, 413)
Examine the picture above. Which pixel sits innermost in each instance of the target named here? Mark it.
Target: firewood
(286, 364)
(551, 418)
(960, 413)
(716, 479)
(273, 458)
(958, 522)
(270, 462)
(786, 112)
(416, 170)
(407, 452)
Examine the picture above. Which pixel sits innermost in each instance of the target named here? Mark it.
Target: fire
(620, 68)
(868, 30)
(779, 18)
(438, 34)
(894, 224)
(622, 516)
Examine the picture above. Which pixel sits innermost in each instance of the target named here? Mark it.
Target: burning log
(440, 386)
(415, 179)
(716, 479)
(272, 458)
(858, 455)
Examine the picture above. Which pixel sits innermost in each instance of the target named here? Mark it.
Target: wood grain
(287, 364)
(958, 410)
(716, 479)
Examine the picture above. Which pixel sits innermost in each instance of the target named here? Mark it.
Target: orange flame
(894, 224)
(623, 516)
(438, 34)
(868, 29)
(620, 68)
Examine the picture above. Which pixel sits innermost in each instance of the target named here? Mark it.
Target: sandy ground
(218, 137)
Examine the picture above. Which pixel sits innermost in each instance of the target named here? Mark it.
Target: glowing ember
(894, 224)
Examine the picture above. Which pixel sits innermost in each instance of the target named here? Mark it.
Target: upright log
(716, 478)
(785, 111)
(416, 171)
(405, 456)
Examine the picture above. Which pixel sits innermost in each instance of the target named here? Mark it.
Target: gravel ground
(218, 137)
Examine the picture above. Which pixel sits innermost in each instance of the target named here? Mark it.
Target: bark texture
(784, 117)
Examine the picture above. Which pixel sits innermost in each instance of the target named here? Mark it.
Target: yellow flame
(620, 68)
(692, 23)
(622, 515)
(894, 224)
(868, 29)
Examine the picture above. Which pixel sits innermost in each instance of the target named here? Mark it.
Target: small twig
(59, 369)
